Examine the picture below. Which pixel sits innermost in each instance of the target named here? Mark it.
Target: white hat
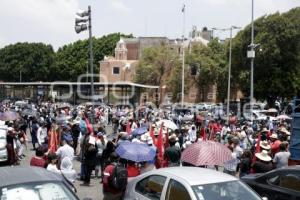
(265, 145)
(144, 137)
(274, 136)
(149, 141)
(263, 156)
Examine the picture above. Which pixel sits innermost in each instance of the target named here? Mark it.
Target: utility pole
(81, 25)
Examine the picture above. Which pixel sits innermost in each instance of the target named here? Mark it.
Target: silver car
(187, 183)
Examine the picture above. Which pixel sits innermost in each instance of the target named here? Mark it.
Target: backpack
(119, 178)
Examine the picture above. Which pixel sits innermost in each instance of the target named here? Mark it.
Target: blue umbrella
(134, 151)
(139, 131)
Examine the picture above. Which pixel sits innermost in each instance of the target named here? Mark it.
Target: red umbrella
(206, 153)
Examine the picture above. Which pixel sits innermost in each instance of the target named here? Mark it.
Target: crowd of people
(61, 134)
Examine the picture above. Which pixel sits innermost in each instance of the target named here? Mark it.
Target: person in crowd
(75, 134)
(275, 144)
(109, 192)
(173, 153)
(101, 145)
(42, 135)
(89, 153)
(263, 163)
(10, 139)
(132, 169)
(66, 168)
(65, 150)
(192, 133)
(38, 160)
(281, 158)
(245, 164)
(52, 163)
(34, 129)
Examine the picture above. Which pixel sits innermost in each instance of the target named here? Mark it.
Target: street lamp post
(81, 25)
(229, 66)
(251, 55)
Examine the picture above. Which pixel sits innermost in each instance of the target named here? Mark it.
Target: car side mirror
(264, 198)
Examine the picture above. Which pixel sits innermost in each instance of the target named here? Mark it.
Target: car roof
(16, 175)
(196, 175)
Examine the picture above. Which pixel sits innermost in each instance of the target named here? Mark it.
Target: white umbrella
(282, 117)
(168, 124)
(272, 110)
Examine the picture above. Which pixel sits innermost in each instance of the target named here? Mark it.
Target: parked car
(34, 183)
(3, 143)
(279, 184)
(187, 183)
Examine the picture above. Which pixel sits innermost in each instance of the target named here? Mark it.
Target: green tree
(202, 57)
(33, 60)
(155, 63)
(72, 59)
(277, 65)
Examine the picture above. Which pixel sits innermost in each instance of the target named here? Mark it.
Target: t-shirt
(281, 159)
(37, 162)
(173, 153)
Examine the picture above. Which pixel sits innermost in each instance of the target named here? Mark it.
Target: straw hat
(284, 130)
(265, 145)
(263, 156)
(274, 136)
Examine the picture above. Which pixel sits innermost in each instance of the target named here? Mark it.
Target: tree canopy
(277, 61)
(32, 60)
(39, 62)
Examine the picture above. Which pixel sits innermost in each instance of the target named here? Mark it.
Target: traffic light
(194, 69)
(81, 21)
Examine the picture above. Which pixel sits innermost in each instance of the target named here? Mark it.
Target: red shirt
(37, 162)
(133, 171)
(275, 146)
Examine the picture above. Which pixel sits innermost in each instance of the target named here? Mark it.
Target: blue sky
(52, 21)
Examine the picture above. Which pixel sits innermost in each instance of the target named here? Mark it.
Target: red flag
(128, 128)
(160, 146)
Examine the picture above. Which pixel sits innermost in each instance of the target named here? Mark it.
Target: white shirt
(41, 135)
(65, 151)
(192, 135)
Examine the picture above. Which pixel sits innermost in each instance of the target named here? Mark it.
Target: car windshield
(233, 190)
(37, 191)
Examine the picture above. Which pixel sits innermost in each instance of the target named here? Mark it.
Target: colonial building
(121, 67)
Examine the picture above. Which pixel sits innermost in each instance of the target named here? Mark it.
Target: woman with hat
(173, 153)
(275, 143)
(263, 163)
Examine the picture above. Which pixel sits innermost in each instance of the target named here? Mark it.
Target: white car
(3, 149)
(187, 183)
